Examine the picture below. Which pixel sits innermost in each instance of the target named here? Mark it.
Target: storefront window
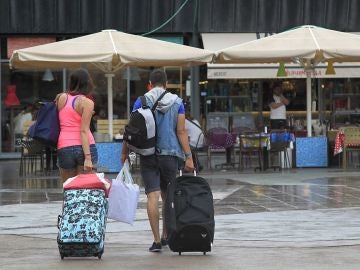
(30, 88)
(342, 98)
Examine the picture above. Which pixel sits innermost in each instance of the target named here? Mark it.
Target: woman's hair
(80, 82)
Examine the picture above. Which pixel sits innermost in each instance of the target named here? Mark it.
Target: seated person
(19, 121)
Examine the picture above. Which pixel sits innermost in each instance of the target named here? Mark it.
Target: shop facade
(221, 88)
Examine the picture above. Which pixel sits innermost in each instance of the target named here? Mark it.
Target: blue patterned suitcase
(82, 223)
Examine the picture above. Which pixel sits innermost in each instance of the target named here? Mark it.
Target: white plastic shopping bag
(123, 197)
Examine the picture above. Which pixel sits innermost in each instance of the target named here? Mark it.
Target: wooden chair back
(352, 136)
(102, 126)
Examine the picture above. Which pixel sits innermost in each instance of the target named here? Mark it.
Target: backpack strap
(157, 101)
(194, 123)
(143, 102)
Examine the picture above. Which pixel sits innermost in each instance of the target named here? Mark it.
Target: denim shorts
(158, 171)
(73, 156)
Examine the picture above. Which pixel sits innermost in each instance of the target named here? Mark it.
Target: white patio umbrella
(109, 51)
(307, 45)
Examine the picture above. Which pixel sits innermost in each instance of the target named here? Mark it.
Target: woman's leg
(67, 173)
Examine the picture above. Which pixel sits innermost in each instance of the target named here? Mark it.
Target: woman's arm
(86, 108)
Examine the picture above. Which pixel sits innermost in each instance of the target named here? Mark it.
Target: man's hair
(158, 77)
(277, 84)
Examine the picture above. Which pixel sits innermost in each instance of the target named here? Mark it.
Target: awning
(217, 41)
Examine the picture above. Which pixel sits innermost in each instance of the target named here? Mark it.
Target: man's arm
(275, 105)
(184, 142)
(124, 152)
(284, 100)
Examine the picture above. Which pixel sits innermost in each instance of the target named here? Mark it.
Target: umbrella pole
(109, 77)
(308, 102)
(128, 93)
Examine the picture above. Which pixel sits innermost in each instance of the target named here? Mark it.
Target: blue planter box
(109, 154)
(312, 152)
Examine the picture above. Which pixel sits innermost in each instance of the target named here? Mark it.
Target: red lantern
(11, 99)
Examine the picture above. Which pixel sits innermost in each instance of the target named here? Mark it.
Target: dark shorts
(73, 156)
(277, 123)
(158, 171)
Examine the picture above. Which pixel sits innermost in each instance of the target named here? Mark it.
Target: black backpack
(140, 132)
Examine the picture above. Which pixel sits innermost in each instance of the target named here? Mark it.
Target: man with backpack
(159, 169)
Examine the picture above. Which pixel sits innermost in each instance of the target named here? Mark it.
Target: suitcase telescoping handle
(59, 221)
(93, 170)
(181, 173)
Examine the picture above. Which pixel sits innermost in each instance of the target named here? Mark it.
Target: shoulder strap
(194, 123)
(156, 102)
(143, 102)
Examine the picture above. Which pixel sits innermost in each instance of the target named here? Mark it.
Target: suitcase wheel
(99, 256)
(204, 252)
(179, 253)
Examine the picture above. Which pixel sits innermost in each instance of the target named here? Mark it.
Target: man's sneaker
(163, 242)
(156, 247)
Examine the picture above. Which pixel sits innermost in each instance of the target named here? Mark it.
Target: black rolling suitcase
(189, 215)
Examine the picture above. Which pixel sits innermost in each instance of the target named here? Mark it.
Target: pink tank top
(70, 125)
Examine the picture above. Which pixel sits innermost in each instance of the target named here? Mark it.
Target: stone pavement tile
(292, 228)
(224, 256)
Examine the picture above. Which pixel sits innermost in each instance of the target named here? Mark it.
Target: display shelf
(241, 103)
(175, 80)
(345, 106)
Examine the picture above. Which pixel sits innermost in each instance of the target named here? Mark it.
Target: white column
(109, 77)
(308, 101)
(128, 93)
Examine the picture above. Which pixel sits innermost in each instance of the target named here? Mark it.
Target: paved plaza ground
(294, 219)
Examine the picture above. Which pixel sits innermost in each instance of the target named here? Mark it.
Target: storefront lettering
(301, 72)
(220, 73)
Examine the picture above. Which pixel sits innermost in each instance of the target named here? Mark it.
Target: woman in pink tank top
(76, 148)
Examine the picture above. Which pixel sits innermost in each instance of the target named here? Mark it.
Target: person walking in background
(277, 106)
(196, 138)
(76, 148)
(158, 170)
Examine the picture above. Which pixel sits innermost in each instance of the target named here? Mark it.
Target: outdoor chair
(351, 145)
(250, 146)
(217, 120)
(32, 157)
(216, 142)
(279, 142)
(243, 121)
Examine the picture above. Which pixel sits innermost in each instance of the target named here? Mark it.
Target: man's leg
(164, 231)
(153, 214)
